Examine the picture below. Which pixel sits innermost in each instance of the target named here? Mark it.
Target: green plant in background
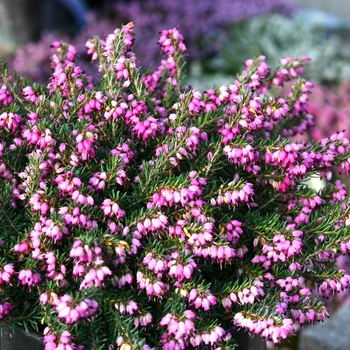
(278, 36)
(139, 213)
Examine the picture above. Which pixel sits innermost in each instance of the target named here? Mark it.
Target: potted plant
(139, 213)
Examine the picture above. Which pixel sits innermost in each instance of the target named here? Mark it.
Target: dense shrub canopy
(140, 213)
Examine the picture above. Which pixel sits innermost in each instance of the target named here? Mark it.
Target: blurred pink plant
(204, 37)
(331, 107)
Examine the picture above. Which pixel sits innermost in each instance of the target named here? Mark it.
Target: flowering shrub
(140, 213)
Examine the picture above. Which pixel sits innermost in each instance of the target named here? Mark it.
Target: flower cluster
(139, 213)
(72, 313)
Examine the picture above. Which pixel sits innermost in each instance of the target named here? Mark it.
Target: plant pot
(19, 339)
(246, 342)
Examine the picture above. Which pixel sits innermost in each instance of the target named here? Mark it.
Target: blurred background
(220, 35)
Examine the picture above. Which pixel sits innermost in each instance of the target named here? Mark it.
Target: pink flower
(28, 277)
(10, 120)
(95, 277)
(6, 272)
(143, 320)
(112, 209)
(72, 311)
(29, 94)
(62, 341)
(5, 308)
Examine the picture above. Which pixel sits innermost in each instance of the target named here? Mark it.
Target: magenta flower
(6, 273)
(6, 96)
(28, 277)
(95, 277)
(112, 209)
(72, 311)
(5, 308)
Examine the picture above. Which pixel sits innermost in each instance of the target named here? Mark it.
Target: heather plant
(139, 213)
